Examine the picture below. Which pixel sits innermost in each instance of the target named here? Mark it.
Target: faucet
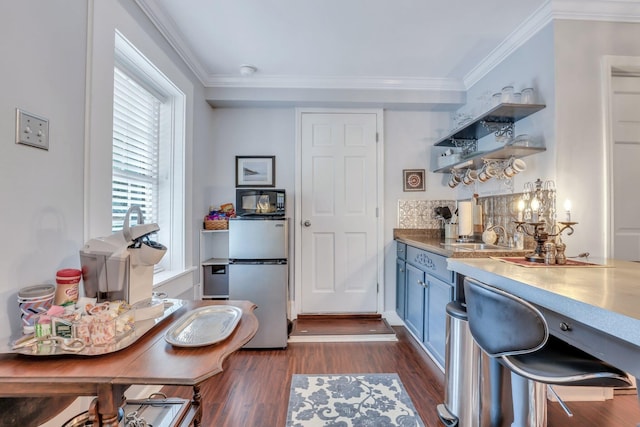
(504, 237)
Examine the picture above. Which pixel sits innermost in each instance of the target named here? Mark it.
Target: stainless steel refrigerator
(258, 272)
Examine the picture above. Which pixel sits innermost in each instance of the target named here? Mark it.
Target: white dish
(204, 326)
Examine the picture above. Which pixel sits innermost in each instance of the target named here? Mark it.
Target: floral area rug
(362, 400)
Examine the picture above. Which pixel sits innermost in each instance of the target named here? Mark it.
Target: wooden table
(150, 361)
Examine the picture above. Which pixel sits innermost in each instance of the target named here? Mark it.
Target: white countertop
(605, 298)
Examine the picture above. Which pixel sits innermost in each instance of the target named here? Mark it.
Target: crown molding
(597, 10)
(166, 26)
(538, 20)
(593, 10)
(584, 10)
(318, 82)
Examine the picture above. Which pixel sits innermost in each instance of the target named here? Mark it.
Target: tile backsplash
(421, 213)
(500, 210)
(497, 210)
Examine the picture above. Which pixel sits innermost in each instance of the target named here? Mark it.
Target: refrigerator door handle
(257, 262)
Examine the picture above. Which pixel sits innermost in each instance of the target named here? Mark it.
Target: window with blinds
(136, 129)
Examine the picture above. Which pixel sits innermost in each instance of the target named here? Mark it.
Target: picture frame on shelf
(255, 171)
(413, 180)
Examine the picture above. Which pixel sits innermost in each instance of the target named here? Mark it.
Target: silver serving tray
(140, 329)
(204, 326)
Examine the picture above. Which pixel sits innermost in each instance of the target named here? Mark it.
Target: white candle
(520, 209)
(535, 205)
(567, 210)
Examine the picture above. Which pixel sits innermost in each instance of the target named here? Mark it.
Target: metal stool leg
(495, 372)
(529, 400)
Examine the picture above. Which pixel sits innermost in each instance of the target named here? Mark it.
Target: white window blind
(136, 128)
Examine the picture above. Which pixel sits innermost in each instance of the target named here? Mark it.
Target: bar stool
(515, 333)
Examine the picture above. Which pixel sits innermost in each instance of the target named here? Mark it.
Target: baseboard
(344, 338)
(366, 316)
(392, 318)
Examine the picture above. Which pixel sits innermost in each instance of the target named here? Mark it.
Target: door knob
(307, 223)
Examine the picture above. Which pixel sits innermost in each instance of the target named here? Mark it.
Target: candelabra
(536, 210)
(539, 202)
(537, 231)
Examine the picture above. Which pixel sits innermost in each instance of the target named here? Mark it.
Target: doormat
(341, 329)
(350, 400)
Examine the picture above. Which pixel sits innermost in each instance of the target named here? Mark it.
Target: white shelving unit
(214, 264)
(503, 116)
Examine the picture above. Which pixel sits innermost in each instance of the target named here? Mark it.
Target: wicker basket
(216, 224)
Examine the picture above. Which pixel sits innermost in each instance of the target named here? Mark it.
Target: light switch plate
(32, 130)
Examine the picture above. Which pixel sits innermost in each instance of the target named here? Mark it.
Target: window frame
(172, 166)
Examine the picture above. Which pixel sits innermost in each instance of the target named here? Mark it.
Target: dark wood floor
(253, 390)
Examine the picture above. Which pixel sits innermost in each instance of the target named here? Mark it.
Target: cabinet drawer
(429, 262)
(617, 352)
(401, 250)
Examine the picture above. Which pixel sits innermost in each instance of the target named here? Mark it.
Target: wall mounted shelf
(476, 160)
(483, 125)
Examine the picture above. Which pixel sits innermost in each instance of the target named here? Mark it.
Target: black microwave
(260, 203)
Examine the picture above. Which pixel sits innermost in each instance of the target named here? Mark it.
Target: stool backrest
(501, 323)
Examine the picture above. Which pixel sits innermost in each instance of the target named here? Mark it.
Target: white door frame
(608, 63)
(296, 221)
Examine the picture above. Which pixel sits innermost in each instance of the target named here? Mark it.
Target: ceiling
(424, 45)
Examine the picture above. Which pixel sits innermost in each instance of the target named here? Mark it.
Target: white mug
(454, 180)
(515, 166)
(470, 176)
(486, 173)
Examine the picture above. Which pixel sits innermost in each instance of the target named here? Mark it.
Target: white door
(338, 207)
(626, 167)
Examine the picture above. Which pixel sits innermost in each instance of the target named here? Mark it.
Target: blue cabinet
(439, 294)
(401, 286)
(424, 287)
(415, 301)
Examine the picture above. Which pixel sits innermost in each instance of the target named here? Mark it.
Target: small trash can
(462, 373)
(469, 398)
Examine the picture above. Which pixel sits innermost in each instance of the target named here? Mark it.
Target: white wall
(44, 73)
(248, 132)
(409, 136)
(563, 62)
(531, 65)
(271, 131)
(581, 172)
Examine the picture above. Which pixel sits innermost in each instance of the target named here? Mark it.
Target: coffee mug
(486, 173)
(469, 176)
(515, 166)
(454, 180)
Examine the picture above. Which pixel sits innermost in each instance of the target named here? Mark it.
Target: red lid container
(68, 276)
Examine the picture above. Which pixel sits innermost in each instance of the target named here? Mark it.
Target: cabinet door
(401, 285)
(214, 263)
(401, 250)
(415, 297)
(438, 295)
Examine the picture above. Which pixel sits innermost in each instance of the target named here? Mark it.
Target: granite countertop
(431, 240)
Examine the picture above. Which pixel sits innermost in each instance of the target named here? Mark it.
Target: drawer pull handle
(565, 326)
